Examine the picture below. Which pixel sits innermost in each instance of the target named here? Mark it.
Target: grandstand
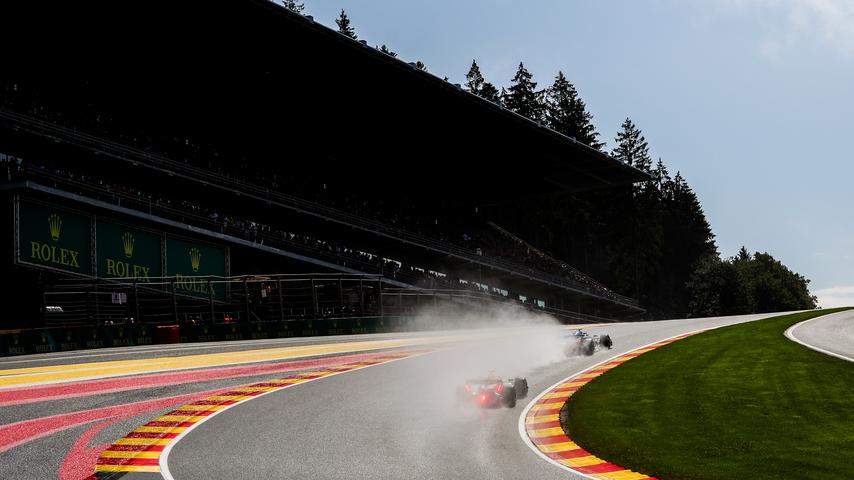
(291, 155)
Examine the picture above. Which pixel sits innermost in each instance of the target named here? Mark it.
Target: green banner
(52, 237)
(125, 252)
(188, 260)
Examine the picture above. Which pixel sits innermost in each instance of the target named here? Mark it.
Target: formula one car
(582, 343)
(492, 392)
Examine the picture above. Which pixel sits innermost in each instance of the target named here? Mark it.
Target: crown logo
(195, 258)
(55, 226)
(127, 243)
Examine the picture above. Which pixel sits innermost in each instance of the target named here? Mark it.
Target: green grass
(741, 402)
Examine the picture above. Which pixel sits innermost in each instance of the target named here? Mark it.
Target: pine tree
(344, 28)
(522, 97)
(632, 148)
(293, 5)
(420, 66)
(566, 113)
(637, 255)
(386, 51)
(474, 79)
(476, 84)
(489, 92)
(662, 180)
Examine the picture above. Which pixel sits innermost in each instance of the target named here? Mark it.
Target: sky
(751, 100)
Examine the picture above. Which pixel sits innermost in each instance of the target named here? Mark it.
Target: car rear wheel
(589, 348)
(521, 387)
(606, 342)
(509, 398)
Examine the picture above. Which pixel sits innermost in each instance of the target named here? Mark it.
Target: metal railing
(257, 299)
(212, 300)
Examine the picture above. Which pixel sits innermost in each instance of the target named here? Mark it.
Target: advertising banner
(125, 252)
(187, 261)
(52, 237)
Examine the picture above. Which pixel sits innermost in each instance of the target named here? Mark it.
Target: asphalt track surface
(831, 333)
(397, 420)
(55, 430)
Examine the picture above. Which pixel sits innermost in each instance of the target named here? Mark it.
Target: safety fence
(116, 313)
(212, 300)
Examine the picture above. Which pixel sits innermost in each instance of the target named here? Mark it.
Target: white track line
(523, 432)
(790, 334)
(164, 455)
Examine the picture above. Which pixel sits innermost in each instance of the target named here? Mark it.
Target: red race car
(492, 392)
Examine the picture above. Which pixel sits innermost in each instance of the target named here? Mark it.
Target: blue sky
(751, 100)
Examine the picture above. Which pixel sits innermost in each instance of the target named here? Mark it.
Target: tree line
(651, 240)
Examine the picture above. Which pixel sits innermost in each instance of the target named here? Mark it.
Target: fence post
(44, 311)
(136, 301)
(313, 300)
(380, 296)
(246, 293)
(340, 297)
(361, 298)
(281, 303)
(97, 305)
(211, 299)
(175, 299)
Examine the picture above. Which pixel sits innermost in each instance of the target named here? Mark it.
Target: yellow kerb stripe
(255, 389)
(531, 420)
(179, 418)
(314, 374)
(546, 406)
(582, 461)
(558, 395)
(145, 429)
(558, 447)
(143, 441)
(115, 454)
(287, 381)
(223, 398)
(342, 367)
(127, 468)
(620, 475)
(545, 432)
(202, 407)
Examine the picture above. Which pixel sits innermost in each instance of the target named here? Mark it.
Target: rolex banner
(186, 260)
(125, 252)
(55, 238)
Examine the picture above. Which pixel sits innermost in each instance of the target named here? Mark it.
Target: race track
(392, 420)
(832, 334)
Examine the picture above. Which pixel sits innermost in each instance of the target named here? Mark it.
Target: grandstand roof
(259, 81)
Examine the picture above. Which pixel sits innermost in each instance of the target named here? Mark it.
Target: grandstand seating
(486, 246)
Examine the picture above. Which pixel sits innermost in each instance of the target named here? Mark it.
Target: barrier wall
(25, 342)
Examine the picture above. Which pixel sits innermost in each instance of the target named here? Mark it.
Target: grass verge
(734, 403)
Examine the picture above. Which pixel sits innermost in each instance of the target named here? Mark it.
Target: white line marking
(302, 341)
(523, 432)
(790, 334)
(164, 456)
